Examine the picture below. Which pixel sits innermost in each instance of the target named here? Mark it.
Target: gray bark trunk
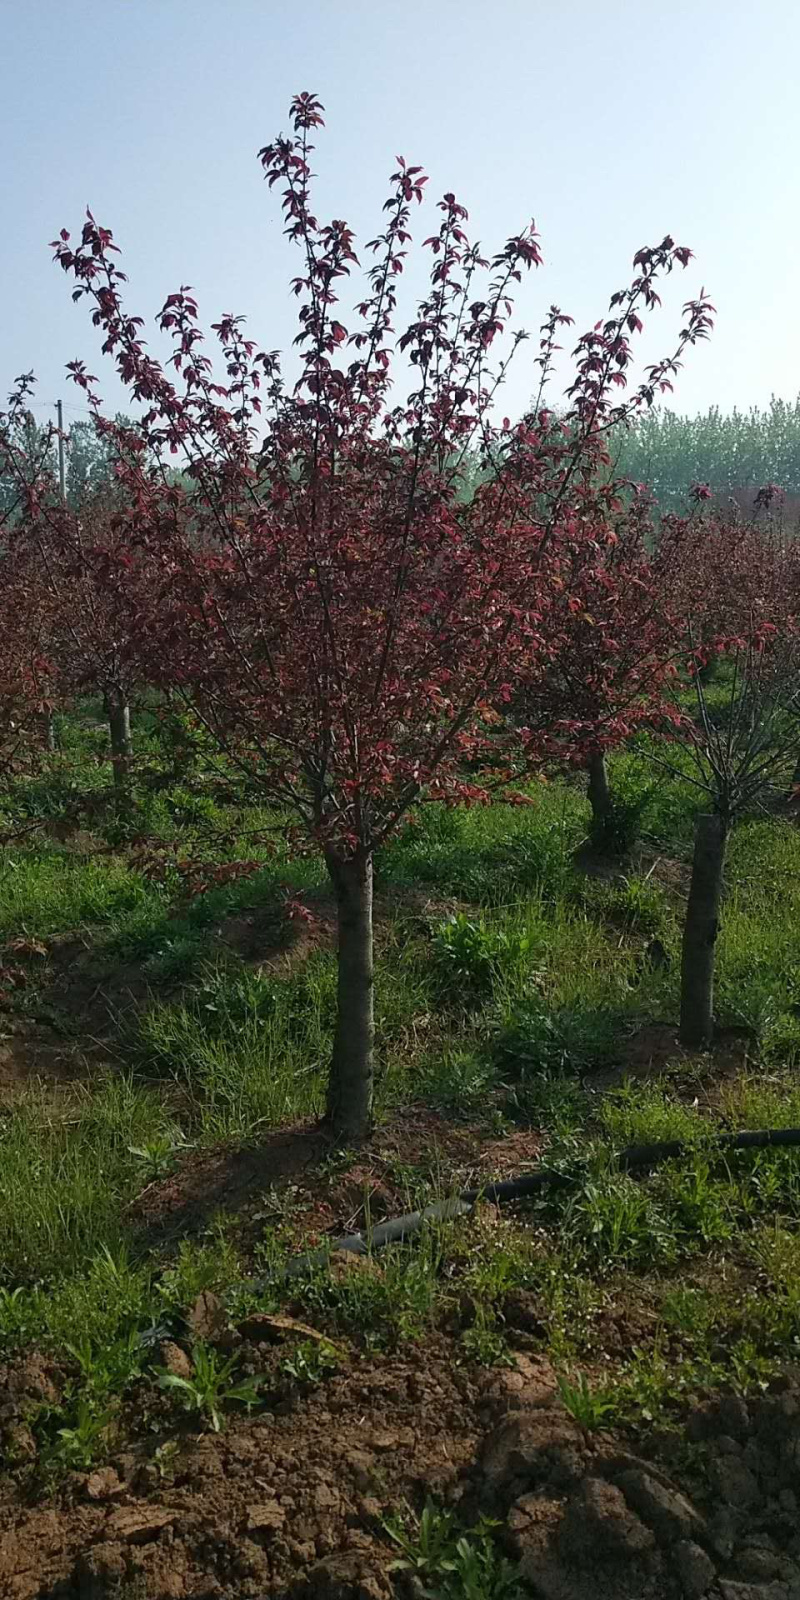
(700, 932)
(349, 1099)
(50, 733)
(119, 723)
(598, 791)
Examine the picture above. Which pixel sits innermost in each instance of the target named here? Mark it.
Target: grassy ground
(525, 1010)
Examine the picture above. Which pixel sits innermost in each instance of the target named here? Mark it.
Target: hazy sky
(611, 123)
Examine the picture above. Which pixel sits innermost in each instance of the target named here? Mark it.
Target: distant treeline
(734, 452)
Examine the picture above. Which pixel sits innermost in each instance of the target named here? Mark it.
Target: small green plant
(484, 1341)
(108, 1368)
(310, 1362)
(78, 1442)
(447, 1564)
(590, 1407)
(480, 1571)
(211, 1388)
(156, 1158)
(427, 1549)
(458, 1080)
(470, 954)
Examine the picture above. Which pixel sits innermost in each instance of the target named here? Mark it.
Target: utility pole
(62, 469)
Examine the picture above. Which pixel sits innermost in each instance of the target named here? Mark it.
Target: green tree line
(730, 451)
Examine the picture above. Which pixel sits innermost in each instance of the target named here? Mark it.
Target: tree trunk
(700, 932)
(349, 1101)
(599, 792)
(119, 723)
(50, 733)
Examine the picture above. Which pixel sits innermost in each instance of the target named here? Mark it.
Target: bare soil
(292, 1502)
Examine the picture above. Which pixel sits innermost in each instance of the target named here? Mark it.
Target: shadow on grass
(214, 1181)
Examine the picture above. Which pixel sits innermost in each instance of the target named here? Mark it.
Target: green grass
(45, 892)
(250, 1051)
(507, 980)
(68, 1172)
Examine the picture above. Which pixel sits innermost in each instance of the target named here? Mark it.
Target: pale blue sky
(611, 123)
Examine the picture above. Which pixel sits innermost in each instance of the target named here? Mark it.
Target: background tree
(739, 598)
(735, 453)
(26, 680)
(612, 642)
(22, 440)
(90, 463)
(327, 601)
(83, 565)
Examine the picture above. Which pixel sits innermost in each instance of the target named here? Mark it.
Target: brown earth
(292, 1502)
(337, 1197)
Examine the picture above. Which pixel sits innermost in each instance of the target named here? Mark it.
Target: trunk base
(700, 933)
(119, 727)
(348, 1113)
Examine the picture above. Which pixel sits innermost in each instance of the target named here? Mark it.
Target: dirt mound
(714, 1514)
(292, 1503)
(294, 1497)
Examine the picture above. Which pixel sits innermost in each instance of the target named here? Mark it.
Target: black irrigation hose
(634, 1156)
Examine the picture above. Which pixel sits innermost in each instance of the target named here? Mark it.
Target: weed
(165, 1460)
(427, 1548)
(108, 1369)
(249, 1051)
(532, 1039)
(592, 1408)
(78, 1444)
(492, 854)
(79, 1441)
(615, 831)
(65, 1180)
(470, 955)
(458, 1080)
(448, 1565)
(618, 1222)
(156, 1158)
(641, 905)
(53, 891)
(480, 1571)
(211, 1387)
(698, 1204)
(385, 1302)
(484, 1341)
(693, 1312)
(310, 1362)
(646, 1114)
(210, 1263)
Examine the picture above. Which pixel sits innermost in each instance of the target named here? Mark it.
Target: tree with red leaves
(25, 672)
(84, 565)
(612, 641)
(329, 601)
(737, 594)
(26, 669)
